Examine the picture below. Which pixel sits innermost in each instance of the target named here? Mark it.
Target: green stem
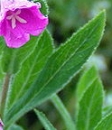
(70, 125)
(4, 93)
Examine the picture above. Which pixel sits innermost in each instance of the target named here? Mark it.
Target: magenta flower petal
(1, 125)
(19, 19)
(13, 41)
(35, 20)
(37, 32)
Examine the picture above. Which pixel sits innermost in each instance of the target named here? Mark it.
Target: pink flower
(19, 19)
(1, 125)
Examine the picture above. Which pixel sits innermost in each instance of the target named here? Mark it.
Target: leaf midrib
(89, 110)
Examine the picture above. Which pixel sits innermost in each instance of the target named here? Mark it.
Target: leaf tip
(103, 14)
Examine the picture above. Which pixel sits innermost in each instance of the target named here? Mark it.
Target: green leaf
(30, 68)
(15, 127)
(1, 72)
(90, 106)
(88, 77)
(105, 123)
(44, 6)
(2, 43)
(107, 110)
(60, 68)
(12, 58)
(70, 125)
(46, 123)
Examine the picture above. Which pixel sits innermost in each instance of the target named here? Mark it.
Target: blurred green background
(66, 17)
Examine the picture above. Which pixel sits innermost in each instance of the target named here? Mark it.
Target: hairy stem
(4, 93)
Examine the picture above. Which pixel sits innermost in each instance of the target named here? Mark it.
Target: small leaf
(2, 43)
(70, 125)
(105, 123)
(60, 68)
(88, 77)
(44, 6)
(44, 121)
(15, 127)
(90, 106)
(107, 110)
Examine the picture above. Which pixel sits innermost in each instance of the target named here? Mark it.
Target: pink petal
(16, 40)
(29, 21)
(14, 37)
(36, 21)
(14, 4)
(1, 125)
(37, 32)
